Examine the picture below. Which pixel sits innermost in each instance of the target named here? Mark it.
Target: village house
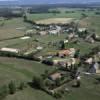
(90, 40)
(95, 68)
(65, 62)
(53, 32)
(29, 33)
(71, 36)
(66, 52)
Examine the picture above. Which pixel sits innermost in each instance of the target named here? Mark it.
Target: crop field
(55, 21)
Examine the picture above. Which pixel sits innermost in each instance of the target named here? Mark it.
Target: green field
(77, 14)
(9, 29)
(23, 70)
(92, 23)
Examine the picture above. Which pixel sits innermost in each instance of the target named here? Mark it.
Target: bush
(57, 95)
(12, 87)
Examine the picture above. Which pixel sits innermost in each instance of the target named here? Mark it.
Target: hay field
(55, 21)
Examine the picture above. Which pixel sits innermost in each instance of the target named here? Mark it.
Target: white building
(53, 32)
(10, 50)
(82, 29)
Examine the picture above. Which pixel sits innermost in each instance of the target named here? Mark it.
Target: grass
(77, 14)
(84, 47)
(8, 30)
(20, 70)
(92, 23)
(23, 70)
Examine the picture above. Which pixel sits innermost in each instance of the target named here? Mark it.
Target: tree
(25, 17)
(57, 94)
(12, 87)
(77, 54)
(45, 75)
(38, 82)
(57, 81)
(62, 45)
(84, 15)
(21, 86)
(73, 24)
(77, 83)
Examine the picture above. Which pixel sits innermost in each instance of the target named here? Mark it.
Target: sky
(53, 1)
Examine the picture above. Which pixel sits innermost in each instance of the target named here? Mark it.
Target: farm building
(39, 48)
(55, 76)
(25, 37)
(71, 36)
(43, 33)
(53, 32)
(66, 62)
(81, 29)
(89, 61)
(10, 50)
(66, 52)
(30, 32)
(66, 41)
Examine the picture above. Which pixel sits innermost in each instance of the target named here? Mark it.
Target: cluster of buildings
(52, 29)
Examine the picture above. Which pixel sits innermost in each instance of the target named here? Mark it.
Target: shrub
(57, 95)
(38, 82)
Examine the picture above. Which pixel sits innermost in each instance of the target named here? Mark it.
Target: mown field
(23, 70)
(12, 28)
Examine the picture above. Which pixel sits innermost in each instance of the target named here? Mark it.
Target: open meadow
(23, 70)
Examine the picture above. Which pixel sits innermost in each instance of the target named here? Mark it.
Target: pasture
(23, 70)
(14, 27)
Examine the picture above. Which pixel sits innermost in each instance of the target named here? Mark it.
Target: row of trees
(11, 88)
(9, 13)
